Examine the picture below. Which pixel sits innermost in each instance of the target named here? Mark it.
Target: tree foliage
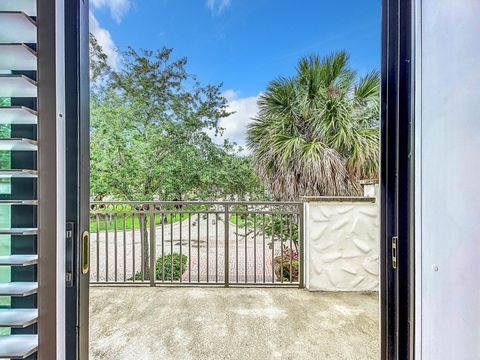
(150, 121)
(317, 132)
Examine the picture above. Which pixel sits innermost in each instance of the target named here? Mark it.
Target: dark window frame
(397, 181)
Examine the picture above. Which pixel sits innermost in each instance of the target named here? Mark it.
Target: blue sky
(243, 44)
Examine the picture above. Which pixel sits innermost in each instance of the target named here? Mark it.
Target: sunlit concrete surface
(235, 323)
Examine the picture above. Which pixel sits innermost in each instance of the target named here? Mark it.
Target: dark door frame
(397, 175)
(77, 136)
(397, 181)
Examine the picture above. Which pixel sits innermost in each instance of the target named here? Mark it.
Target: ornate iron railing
(197, 243)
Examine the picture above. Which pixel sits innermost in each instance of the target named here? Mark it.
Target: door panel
(448, 134)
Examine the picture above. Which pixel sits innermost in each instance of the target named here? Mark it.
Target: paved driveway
(234, 323)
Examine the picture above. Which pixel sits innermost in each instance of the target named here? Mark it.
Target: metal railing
(197, 243)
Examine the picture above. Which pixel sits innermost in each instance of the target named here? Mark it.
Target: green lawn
(170, 218)
(276, 225)
(241, 220)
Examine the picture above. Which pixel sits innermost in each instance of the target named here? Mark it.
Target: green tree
(317, 132)
(237, 179)
(143, 115)
(149, 138)
(149, 124)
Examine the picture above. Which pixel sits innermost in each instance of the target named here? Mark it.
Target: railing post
(227, 245)
(153, 245)
(301, 239)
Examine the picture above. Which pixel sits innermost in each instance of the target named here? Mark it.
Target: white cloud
(118, 8)
(236, 124)
(231, 95)
(105, 40)
(217, 6)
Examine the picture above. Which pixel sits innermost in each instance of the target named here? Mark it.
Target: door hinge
(394, 251)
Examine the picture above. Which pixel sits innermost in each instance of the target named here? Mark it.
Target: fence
(197, 243)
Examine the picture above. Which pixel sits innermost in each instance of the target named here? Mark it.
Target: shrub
(179, 268)
(288, 268)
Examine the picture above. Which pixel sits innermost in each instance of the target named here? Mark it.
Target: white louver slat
(18, 202)
(13, 173)
(18, 260)
(17, 86)
(18, 145)
(17, 57)
(29, 7)
(18, 231)
(17, 28)
(18, 318)
(17, 115)
(18, 346)
(18, 289)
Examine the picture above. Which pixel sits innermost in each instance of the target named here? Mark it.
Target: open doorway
(258, 177)
(253, 165)
(45, 261)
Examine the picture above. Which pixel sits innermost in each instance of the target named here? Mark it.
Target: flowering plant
(287, 265)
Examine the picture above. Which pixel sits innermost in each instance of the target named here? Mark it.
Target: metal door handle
(85, 252)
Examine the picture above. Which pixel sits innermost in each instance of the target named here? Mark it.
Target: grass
(169, 218)
(276, 225)
(241, 220)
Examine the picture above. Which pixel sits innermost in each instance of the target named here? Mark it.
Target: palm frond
(317, 133)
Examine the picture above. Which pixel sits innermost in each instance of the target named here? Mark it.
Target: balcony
(195, 311)
(212, 323)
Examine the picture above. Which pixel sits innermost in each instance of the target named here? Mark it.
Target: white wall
(342, 244)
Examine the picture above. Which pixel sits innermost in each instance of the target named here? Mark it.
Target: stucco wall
(342, 244)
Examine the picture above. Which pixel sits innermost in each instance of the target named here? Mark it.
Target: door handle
(85, 252)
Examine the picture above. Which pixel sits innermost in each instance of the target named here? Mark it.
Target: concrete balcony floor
(235, 323)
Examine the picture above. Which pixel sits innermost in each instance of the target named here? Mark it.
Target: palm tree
(317, 132)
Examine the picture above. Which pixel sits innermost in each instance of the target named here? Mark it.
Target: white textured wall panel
(343, 246)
